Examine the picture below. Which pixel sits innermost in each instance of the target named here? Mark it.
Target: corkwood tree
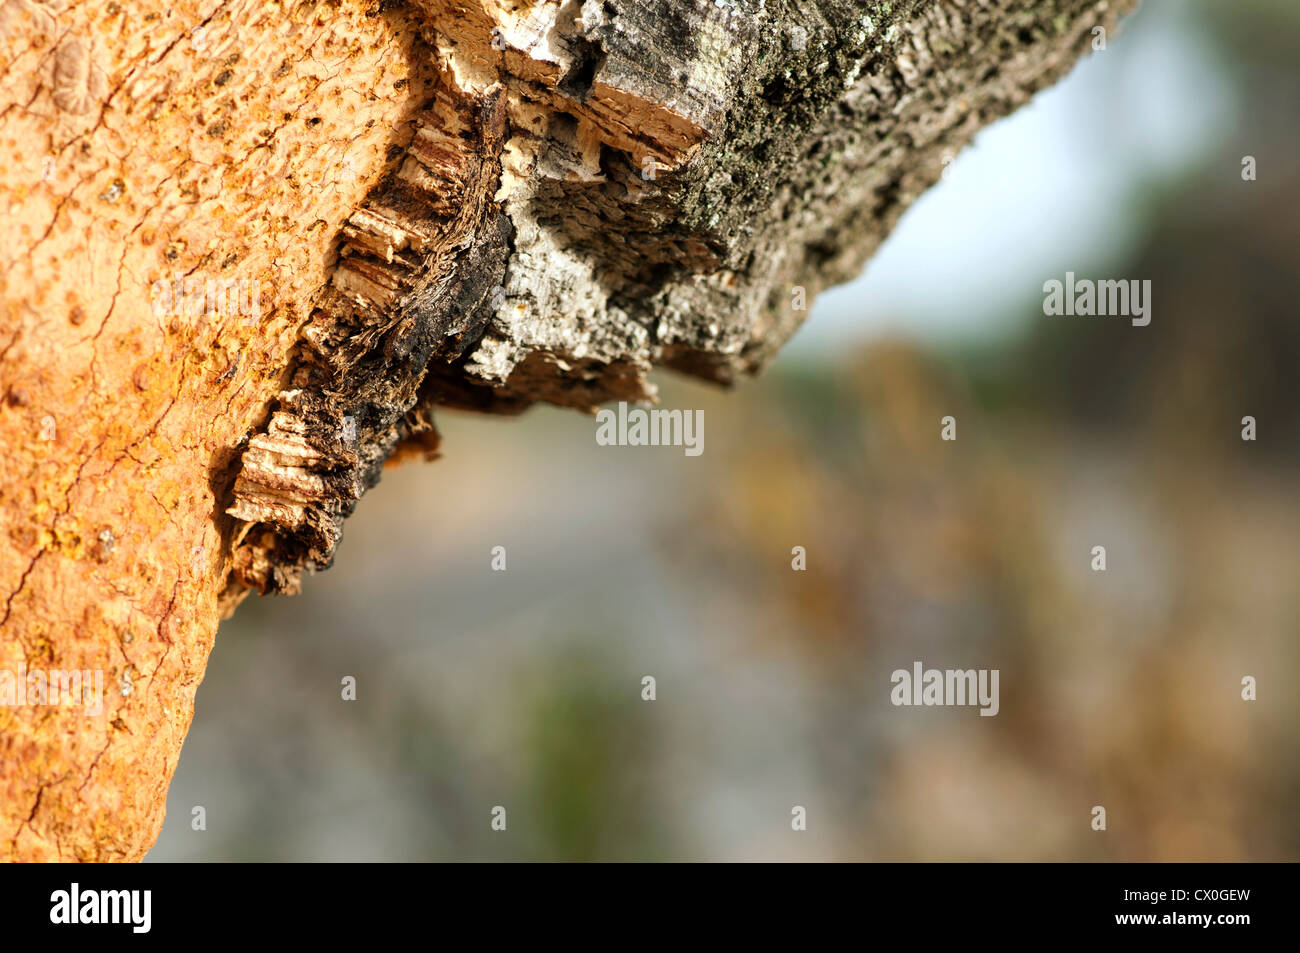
(250, 246)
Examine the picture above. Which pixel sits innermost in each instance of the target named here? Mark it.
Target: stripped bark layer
(481, 204)
(418, 262)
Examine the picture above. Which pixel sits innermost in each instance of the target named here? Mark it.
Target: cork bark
(250, 247)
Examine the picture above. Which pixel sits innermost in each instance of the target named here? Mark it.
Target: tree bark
(250, 245)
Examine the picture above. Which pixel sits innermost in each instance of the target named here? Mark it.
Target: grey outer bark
(603, 187)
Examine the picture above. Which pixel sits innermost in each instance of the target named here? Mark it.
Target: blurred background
(1120, 688)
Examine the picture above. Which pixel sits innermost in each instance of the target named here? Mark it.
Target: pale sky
(1046, 190)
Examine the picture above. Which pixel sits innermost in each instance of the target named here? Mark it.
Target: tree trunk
(250, 245)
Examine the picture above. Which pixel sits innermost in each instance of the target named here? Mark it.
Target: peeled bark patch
(251, 246)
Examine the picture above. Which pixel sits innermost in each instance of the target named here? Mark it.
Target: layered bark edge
(481, 204)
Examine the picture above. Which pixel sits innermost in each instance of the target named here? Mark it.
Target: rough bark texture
(477, 203)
